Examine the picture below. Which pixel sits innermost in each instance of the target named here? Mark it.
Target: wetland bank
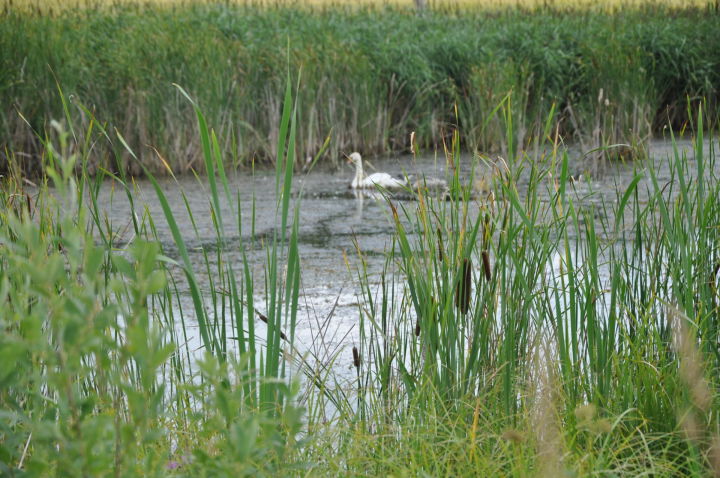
(553, 312)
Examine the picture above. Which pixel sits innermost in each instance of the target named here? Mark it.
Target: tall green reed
(585, 287)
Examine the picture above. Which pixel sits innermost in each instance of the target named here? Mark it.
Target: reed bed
(518, 332)
(369, 79)
(590, 327)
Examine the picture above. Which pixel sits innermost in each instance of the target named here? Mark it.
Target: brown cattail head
(441, 253)
(486, 265)
(356, 357)
(462, 295)
(417, 328)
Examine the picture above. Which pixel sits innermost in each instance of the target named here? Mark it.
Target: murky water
(334, 223)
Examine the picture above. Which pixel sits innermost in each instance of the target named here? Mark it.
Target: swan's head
(355, 158)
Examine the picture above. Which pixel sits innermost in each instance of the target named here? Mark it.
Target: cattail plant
(440, 249)
(356, 357)
(486, 264)
(464, 287)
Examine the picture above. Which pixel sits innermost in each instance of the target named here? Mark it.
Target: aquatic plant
(588, 359)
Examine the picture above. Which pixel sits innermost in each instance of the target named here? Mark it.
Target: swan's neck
(359, 175)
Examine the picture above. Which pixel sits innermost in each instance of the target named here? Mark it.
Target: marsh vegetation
(526, 321)
(369, 78)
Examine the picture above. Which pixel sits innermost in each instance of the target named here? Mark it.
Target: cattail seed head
(441, 253)
(417, 328)
(486, 265)
(462, 295)
(356, 357)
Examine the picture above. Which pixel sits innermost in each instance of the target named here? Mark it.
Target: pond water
(334, 222)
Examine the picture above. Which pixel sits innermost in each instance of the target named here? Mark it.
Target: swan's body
(384, 180)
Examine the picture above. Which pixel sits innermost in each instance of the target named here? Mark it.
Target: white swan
(384, 180)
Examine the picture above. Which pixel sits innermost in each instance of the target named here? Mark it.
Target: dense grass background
(368, 77)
